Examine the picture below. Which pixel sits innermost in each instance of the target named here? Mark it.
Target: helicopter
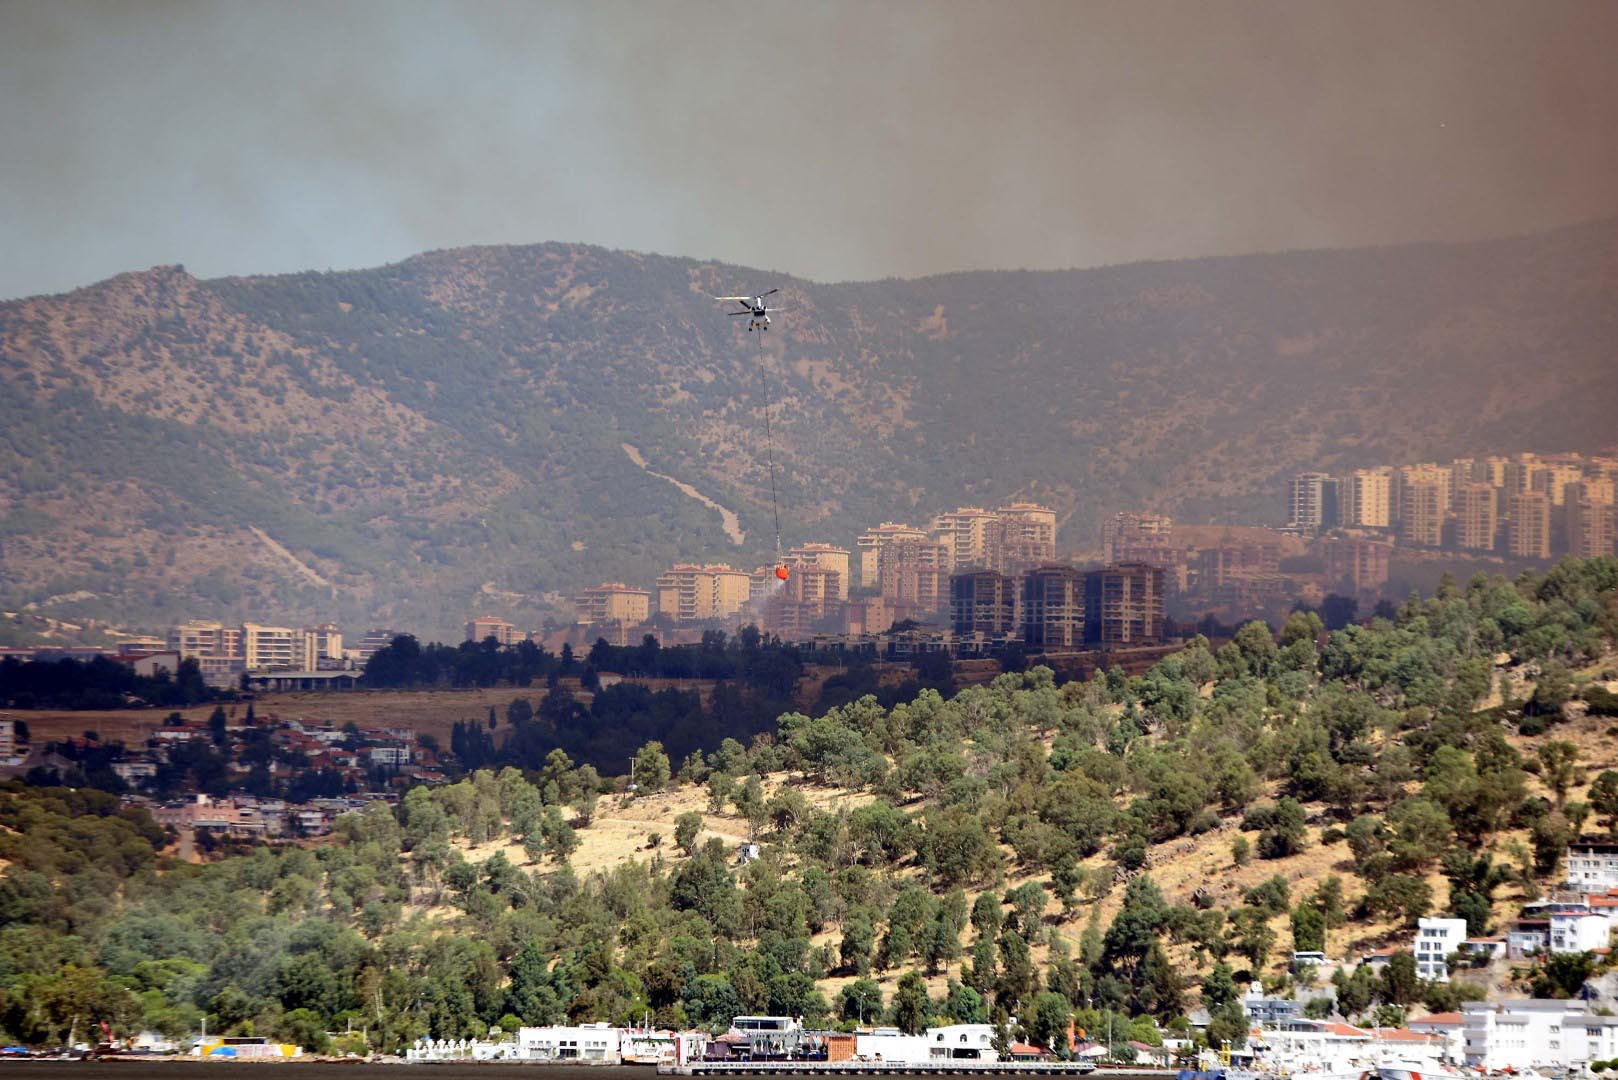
(756, 308)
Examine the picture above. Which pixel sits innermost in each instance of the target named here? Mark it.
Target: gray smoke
(838, 140)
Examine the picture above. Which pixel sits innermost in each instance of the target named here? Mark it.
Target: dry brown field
(430, 712)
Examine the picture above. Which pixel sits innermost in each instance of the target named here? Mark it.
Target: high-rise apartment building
(871, 542)
(1124, 606)
(1368, 498)
(1360, 562)
(1053, 608)
(1028, 535)
(807, 596)
(1424, 500)
(1525, 472)
(1311, 505)
(1477, 516)
(1556, 478)
(327, 641)
(970, 535)
(613, 602)
(1124, 533)
(373, 641)
(1592, 527)
(1528, 526)
(487, 626)
(827, 557)
(276, 647)
(914, 572)
(215, 647)
(690, 593)
(983, 605)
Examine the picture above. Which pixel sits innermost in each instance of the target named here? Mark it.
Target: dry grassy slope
(624, 826)
(414, 431)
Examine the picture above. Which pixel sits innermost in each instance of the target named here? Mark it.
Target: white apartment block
(1592, 866)
(277, 647)
(871, 542)
(1436, 941)
(1532, 1033)
(827, 557)
(1576, 932)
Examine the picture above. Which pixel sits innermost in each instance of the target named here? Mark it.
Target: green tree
(687, 827)
(1308, 928)
(652, 770)
(1399, 984)
(1048, 1021)
(1604, 798)
(1558, 760)
(912, 1008)
(860, 1001)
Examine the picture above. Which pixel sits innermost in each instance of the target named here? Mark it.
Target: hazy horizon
(840, 142)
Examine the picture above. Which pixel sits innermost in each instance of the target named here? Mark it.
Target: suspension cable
(769, 447)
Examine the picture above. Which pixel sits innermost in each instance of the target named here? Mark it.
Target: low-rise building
(600, 1043)
(1578, 931)
(1528, 937)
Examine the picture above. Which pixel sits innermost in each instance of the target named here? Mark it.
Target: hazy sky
(833, 140)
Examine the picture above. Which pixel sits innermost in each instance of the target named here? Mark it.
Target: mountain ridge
(416, 431)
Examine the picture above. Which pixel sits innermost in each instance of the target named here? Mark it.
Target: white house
(1592, 865)
(1436, 939)
(1576, 932)
(1485, 948)
(970, 1042)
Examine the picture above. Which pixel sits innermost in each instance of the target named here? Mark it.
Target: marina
(902, 1068)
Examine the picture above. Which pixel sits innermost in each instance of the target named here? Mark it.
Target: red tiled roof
(1333, 1028)
(1439, 1019)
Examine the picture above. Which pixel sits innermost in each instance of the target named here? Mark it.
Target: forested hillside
(1129, 845)
(417, 443)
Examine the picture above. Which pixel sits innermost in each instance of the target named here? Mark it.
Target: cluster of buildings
(353, 759)
(1514, 1035)
(1526, 506)
(894, 572)
(248, 817)
(976, 578)
(1581, 918)
(750, 1038)
(224, 651)
(1240, 571)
